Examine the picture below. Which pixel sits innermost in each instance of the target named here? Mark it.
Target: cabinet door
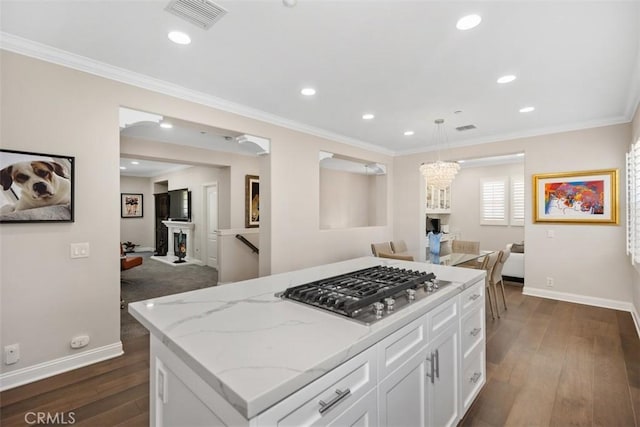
(363, 413)
(402, 395)
(443, 391)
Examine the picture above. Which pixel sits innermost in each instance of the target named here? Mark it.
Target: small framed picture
(130, 205)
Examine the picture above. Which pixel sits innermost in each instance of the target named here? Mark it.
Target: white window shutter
(493, 201)
(517, 201)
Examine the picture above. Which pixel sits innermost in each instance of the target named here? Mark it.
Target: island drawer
(472, 297)
(473, 376)
(320, 402)
(398, 347)
(442, 317)
(472, 331)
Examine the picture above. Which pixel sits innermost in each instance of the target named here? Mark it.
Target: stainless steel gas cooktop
(367, 295)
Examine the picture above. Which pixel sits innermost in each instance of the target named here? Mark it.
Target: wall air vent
(466, 127)
(202, 13)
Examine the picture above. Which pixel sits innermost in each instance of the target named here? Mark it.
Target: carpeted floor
(154, 279)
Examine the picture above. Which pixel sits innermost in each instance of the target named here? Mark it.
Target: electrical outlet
(549, 282)
(11, 354)
(80, 341)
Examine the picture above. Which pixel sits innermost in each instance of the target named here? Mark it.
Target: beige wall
(49, 108)
(579, 254)
(346, 199)
(464, 219)
(138, 230)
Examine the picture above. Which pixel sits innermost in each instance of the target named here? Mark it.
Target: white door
(212, 224)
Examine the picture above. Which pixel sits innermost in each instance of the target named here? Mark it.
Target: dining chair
(488, 264)
(465, 247)
(381, 247)
(398, 246)
(496, 277)
(395, 256)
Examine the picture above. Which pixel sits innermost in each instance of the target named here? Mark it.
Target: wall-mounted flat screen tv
(180, 205)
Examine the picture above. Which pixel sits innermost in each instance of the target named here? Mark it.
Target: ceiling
(404, 61)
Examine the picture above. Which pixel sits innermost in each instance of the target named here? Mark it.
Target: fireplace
(180, 243)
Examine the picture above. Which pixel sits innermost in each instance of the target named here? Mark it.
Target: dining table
(457, 259)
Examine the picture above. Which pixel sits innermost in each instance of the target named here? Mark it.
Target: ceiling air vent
(466, 127)
(202, 13)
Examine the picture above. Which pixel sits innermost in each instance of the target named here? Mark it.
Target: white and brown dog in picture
(42, 183)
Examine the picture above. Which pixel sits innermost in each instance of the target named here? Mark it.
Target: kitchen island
(239, 355)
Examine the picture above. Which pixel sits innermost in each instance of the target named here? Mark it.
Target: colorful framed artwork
(130, 205)
(589, 197)
(252, 201)
(36, 187)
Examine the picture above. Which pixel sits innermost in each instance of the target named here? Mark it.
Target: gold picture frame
(580, 197)
(252, 201)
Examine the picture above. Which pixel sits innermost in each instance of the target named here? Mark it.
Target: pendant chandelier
(439, 174)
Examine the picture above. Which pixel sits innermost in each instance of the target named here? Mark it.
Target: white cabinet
(438, 200)
(473, 344)
(363, 413)
(402, 396)
(443, 386)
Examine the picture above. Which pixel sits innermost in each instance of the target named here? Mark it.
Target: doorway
(210, 196)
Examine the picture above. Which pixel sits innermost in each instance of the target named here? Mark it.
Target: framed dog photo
(36, 187)
(131, 205)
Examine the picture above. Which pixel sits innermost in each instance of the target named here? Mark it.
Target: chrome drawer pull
(474, 379)
(437, 364)
(475, 332)
(324, 407)
(474, 297)
(431, 375)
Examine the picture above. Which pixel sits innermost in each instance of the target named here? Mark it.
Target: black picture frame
(36, 187)
(131, 205)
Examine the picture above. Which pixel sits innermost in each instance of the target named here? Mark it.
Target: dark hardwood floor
(549, 363)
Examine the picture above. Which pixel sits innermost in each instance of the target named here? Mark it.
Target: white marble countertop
(255, 349)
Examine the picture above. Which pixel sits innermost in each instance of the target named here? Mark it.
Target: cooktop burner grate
(351, 293)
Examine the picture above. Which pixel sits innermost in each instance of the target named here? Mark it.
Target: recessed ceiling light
(166, 125)
(122, 168)
(135, 163)
(506, 79)
(179, 37)
(409, 133)
(468, 22)
(527, 109)
(368, 116)
(308, 91)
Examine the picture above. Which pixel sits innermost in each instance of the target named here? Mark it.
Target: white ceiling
(404, 61)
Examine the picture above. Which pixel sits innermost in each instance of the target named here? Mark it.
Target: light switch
(551, 234)
(80, 250)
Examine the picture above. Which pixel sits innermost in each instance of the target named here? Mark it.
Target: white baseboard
(636, 319)
(57, 366)
(582, 299)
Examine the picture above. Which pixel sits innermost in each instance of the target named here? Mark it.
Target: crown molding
(525, 134)
(30, 48)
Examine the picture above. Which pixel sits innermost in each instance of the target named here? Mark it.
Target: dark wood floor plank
(612, 406)
(89, 414)
(631, 351)
(574, 396)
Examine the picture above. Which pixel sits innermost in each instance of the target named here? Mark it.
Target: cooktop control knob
(389, 302)
(378, 307)
(411, 294)
(435, 284)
